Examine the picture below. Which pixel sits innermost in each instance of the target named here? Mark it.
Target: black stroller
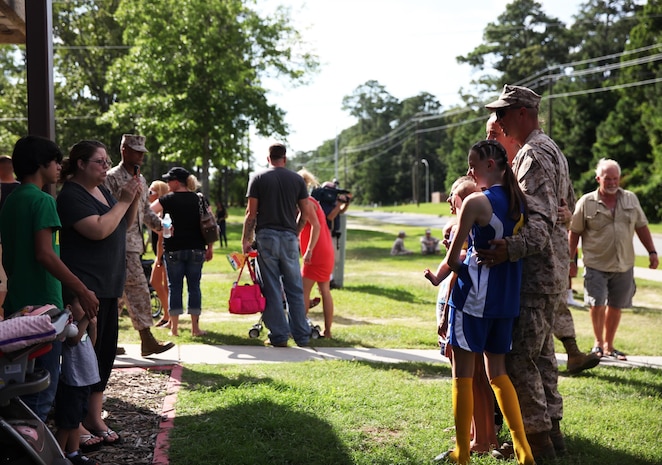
(157, 306)
(24, 438)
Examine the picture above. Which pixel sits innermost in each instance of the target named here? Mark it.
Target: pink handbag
(246, 299)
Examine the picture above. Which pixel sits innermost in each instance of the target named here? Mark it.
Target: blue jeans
(41, 402)
(279, 270)
(180, 264)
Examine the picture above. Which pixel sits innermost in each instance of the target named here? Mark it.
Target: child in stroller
(24, 438)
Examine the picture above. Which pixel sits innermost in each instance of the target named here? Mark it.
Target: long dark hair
(493, 150)
(82, 150)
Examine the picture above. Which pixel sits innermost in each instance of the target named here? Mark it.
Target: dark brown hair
(493, 150)
(277, 151)
(82, 150)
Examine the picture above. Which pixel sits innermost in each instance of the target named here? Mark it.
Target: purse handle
(251, 271)
(201, 204)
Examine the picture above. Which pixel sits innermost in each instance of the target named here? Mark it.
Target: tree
(599, 33)
(523, 41)
(637, 115)
(87, 40)
(194, 79)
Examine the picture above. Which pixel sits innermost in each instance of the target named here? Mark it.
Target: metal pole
(39, 51)
(427, 179)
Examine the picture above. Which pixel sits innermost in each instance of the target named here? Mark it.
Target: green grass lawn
(343, 412)
(385, 301)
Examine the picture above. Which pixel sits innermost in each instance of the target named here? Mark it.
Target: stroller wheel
(254, 332)
(157, 306)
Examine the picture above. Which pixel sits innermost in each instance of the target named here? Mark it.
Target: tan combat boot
(150, 346)
(577, 360)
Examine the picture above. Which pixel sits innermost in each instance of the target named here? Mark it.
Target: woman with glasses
(92, 245)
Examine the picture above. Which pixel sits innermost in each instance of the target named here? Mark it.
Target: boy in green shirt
(29, 226)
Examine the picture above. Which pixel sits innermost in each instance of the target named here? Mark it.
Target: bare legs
(174, 325)
(605, 323)
(327, 301)
(159, 281)
(195, 326)
(484, 437)
(327, 306)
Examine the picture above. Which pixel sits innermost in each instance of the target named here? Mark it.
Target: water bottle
(167, 225)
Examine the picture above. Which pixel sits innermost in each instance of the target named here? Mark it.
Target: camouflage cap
(515, 97)
(134, 142)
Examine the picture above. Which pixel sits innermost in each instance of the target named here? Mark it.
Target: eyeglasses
(102, 162)
(500, 113)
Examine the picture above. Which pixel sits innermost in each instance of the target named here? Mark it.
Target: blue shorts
(474, 334)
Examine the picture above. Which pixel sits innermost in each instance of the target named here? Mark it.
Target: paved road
(438, 222)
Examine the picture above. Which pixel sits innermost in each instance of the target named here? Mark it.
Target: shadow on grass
(253, 430)
(622, 377)
(644, 311)
(583, 451)
(393, 293)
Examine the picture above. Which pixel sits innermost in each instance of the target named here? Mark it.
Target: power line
(601, 69)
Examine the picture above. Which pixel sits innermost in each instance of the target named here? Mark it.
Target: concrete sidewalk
(218, 355)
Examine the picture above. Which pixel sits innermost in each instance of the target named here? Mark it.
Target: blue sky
(408, 46)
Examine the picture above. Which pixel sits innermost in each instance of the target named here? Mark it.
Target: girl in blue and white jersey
(485, 301)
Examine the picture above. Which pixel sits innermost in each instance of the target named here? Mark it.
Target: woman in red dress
(318, 267)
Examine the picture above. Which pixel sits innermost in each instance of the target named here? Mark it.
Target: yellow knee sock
(463, 409)
(509, 405)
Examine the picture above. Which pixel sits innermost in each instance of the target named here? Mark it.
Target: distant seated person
(429, 244)
(399, 245)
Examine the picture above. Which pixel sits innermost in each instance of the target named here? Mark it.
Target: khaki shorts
(613, 289)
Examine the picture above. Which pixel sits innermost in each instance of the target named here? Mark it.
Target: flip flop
(597, 350)
(109, 436)
(90, 443)
(617, 354)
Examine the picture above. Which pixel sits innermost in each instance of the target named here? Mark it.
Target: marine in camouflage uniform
(564, 326)
(136, 289)
(542, 172)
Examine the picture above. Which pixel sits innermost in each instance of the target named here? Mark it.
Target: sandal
(597, 350)
(617, 354)
(109, 436)
(90, 442)
(162, 323)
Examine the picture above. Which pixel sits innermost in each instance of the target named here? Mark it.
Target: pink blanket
(17, 333)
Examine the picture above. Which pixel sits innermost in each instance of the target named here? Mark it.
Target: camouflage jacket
(118, 177)
(542, 172)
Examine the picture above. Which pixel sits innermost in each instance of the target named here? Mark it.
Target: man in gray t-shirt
(274, 197)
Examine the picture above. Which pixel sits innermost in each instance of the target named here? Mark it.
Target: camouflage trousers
(532, 363)
(564, 326)
(136, 293)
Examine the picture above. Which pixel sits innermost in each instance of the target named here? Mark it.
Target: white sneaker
(572, 301)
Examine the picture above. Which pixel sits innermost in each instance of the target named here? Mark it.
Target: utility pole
(427, 180)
